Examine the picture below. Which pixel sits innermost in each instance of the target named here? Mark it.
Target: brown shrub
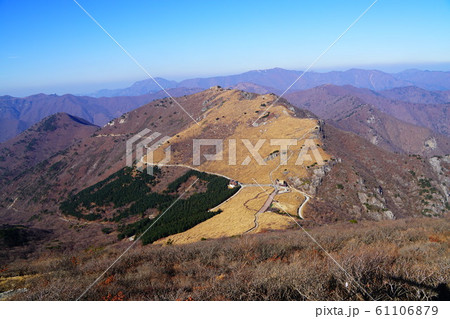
(388, 260)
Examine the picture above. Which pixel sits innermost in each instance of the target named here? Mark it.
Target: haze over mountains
(398, 117)
(18, 114)
(138, 88)
(278, 79)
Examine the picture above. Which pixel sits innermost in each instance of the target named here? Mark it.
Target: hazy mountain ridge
(415, 94)
(281, 79)
(328, 100)
(392, 134)
(17, 114)
(137, 88)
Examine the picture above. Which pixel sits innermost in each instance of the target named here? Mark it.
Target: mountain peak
(60, 120)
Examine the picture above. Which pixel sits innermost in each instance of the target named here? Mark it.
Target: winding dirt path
(266, 205)
(300, 209)
(269, 200)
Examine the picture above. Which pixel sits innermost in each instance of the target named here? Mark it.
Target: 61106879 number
(407, 310)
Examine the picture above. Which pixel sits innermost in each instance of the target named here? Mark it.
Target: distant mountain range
(278, 80)
(394, 125)
(327, 101)
(417, 97)
(138, 88)
(18, 114)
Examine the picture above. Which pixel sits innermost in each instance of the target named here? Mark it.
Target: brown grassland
(231, 118)
(289, 202)
(404, 259)
(237, 217)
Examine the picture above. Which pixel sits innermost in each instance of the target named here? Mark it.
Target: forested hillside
(128, 197)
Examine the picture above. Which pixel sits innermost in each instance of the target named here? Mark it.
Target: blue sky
(53, 47)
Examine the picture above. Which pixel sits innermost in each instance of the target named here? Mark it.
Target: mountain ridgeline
(415, 93)
(278, 80)
(373, 181)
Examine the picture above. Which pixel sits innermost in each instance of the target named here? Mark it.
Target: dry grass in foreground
(391, 260)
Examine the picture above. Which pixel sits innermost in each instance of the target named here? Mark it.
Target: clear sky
(52, 46)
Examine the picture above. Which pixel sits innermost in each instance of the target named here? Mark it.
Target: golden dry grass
(231, 119)
(237, 217)
(269, 220)
(289, 202)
